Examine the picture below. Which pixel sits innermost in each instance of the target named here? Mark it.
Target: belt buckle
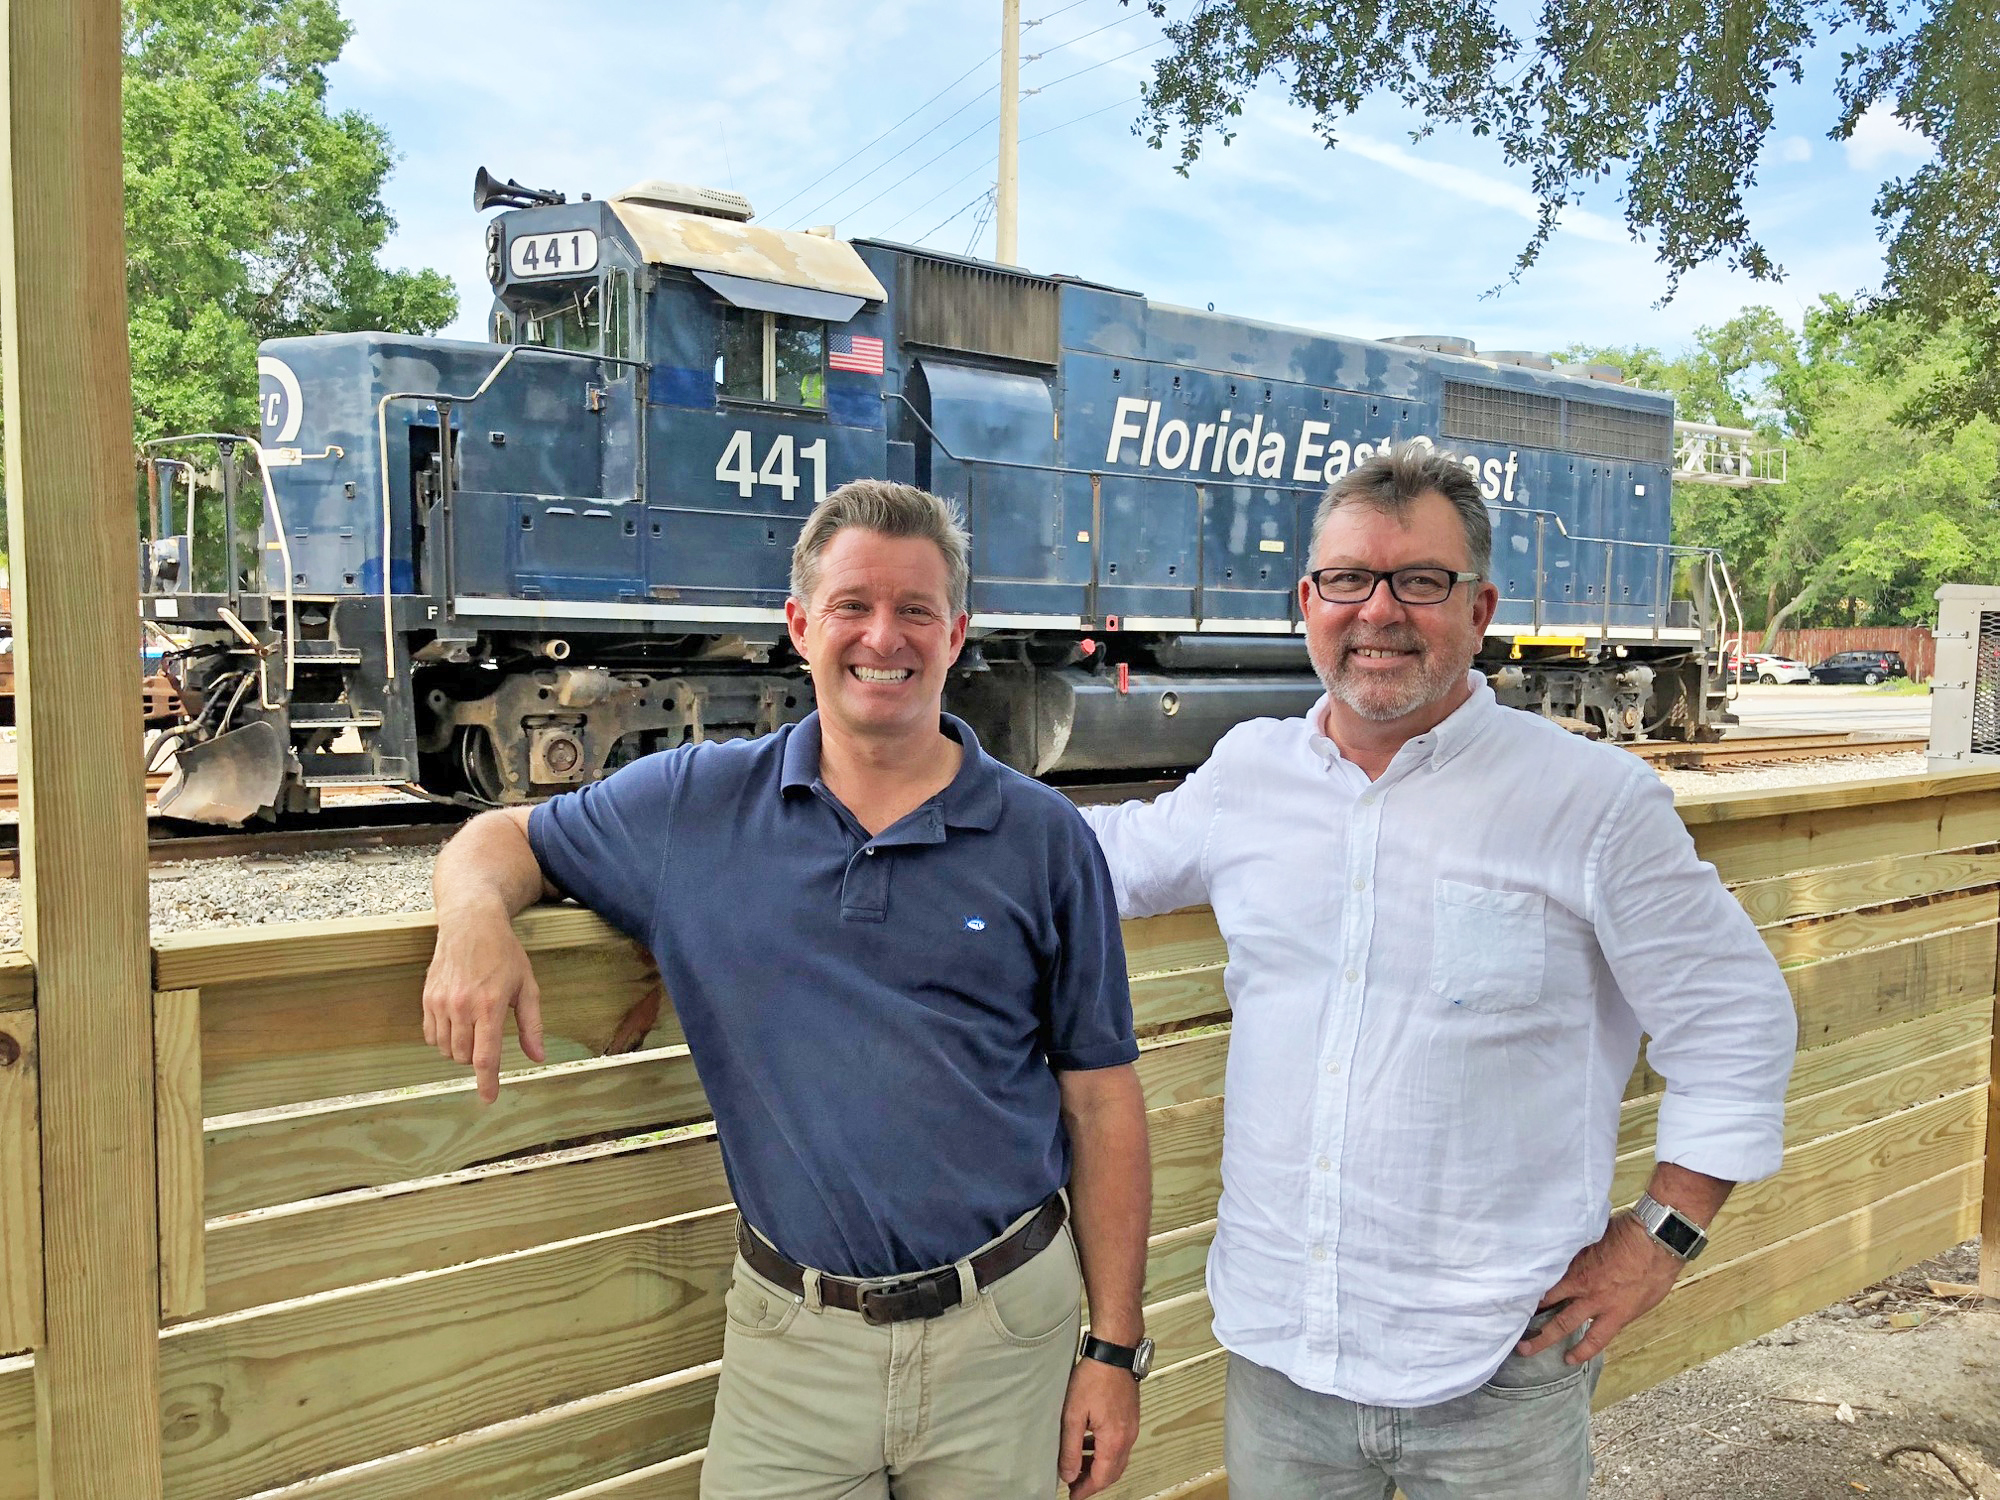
(884, 1305)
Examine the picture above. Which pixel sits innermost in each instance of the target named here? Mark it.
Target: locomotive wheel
(479, 765)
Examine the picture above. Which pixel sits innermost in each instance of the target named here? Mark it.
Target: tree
(1673, 99)
(1875, 513)
(251, 210)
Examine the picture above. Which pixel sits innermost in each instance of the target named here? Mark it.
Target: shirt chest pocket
(1490, 950)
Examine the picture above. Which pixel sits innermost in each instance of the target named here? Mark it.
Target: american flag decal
(856, 352)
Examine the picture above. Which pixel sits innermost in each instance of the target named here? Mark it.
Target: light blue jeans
(1524, 1435)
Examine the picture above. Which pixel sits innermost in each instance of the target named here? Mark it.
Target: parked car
(1775, 669)
(1870, 667)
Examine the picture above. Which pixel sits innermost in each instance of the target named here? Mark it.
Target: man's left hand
(1103, 1401)
(1607, 1285)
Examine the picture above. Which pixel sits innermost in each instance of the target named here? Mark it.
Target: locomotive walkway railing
(373, 1286)
(1666, 556)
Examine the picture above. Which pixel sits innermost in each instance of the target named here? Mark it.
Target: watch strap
(1671, 1229)
(1124, 1356)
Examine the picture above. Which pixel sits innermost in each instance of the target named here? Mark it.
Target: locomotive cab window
(771, 357)
(576, 322)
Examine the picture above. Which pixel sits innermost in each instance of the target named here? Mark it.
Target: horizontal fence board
(1186, 939)
(1177, 1261)
(1180, 1427)
(1167, 1002)
(1813, 1170)
(1808, 893)
(374, 1141)
(1857, 992)
(1807, 938)
(1180, 1327)
(20, 1188)
(579, 1442)
(1183, 1069)
(1863, 1077)
(1892, 794)
(1206, 1487)
(268, 1398)
(306, 950)
(676, 1479)
(1187, 1163)
(17, 981)
(275, 1042)
(18, 1462)
(1845, 827)
(319, 1247)
(1737, 1301)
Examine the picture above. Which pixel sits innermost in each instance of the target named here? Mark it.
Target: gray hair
(1395, 479)
(880, 505)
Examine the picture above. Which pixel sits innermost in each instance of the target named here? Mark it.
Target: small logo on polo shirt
(975, 924)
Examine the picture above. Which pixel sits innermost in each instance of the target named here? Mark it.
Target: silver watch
(1671, 1228)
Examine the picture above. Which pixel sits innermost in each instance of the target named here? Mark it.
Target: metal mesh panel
(1496, 414)
(1620, 432)
(1986, 687)
(951, 306)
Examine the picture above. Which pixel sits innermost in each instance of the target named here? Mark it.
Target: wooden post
(74, 542)
(1989, 1207)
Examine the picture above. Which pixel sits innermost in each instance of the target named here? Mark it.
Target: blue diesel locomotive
(496, 570)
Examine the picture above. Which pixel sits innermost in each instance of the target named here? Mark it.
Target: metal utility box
(1965, 683)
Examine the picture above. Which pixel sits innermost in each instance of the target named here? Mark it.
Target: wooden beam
(74, 537)
(178, 1146)
(17, 1429)
(17, 981)
(1808, 893)
(1879, 791)
(20, 1186)
(1989, 1213)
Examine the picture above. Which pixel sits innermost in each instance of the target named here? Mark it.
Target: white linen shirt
(1439, 980)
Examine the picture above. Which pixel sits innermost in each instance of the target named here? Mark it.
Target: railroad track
(1677, 755)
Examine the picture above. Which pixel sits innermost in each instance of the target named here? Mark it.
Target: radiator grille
(1986, 687)
(1620, 432)
(980, 311)
(1496, 414)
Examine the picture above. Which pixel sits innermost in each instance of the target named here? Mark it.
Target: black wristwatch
(1138, 1358)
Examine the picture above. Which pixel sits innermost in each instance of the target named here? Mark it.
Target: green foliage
(251, 211)
(1672, 99)
(1875, 513)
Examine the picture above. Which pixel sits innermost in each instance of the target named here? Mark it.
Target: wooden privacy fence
(372, 1287)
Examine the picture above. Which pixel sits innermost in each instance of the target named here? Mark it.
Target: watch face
(1678, 1235)
(1142, 1359)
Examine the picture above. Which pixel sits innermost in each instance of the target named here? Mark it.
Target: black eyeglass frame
(1380, 576)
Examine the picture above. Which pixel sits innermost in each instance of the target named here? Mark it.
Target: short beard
(1384, 703)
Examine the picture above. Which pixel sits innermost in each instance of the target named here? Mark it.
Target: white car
(1775, 669)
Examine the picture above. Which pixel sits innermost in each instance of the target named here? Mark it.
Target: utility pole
(1007, 207)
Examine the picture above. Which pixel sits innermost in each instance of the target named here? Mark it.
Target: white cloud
(1880, 137)
(1794, 148)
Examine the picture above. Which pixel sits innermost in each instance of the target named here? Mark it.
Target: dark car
(1870, 667)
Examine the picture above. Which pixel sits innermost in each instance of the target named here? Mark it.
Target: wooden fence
(1918, 650)
(371, 1286)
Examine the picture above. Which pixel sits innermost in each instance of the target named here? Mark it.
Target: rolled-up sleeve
(606, 845)
(1719, 1019)
(1087, 1009)
(1155, 849)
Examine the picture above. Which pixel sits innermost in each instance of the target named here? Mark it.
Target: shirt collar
(1438, 746)
(971, 801)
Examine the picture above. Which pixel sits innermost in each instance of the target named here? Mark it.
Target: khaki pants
(820, 1405)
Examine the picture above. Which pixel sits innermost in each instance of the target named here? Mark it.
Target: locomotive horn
(489, 192)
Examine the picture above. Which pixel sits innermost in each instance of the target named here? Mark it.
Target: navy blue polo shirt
(878, 1022)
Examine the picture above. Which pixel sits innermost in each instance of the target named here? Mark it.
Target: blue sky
(1379, 237)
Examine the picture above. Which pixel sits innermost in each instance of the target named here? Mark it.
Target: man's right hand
(478, 973)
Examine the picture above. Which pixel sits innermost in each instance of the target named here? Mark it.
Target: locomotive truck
(490, 571)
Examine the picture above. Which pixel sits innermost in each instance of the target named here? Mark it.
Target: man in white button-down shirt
(1449, 924)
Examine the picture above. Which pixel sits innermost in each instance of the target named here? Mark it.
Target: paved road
(1807, 708)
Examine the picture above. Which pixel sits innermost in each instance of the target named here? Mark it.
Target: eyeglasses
(1406, 585)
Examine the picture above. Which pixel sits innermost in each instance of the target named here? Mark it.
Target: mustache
(1391, 640)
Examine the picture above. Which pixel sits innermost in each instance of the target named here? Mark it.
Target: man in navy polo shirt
(899, 970)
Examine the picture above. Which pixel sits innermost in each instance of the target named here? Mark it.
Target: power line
(1082, 37)
(957, 213)
(1073, 120)
(854, 156)
(887, 133)
(839, 193)
(1114, 104)
(983, 125)
(981, 219)
(1147, 46)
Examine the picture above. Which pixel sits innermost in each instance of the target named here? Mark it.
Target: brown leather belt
(926, 1295)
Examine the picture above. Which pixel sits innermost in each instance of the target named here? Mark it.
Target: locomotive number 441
(777, 469)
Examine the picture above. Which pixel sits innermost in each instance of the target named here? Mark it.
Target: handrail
(444, 447)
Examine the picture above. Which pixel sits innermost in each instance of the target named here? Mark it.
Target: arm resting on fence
(485, 878)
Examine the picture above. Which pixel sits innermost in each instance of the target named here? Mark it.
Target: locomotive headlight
(493, 267)
(493, 237)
